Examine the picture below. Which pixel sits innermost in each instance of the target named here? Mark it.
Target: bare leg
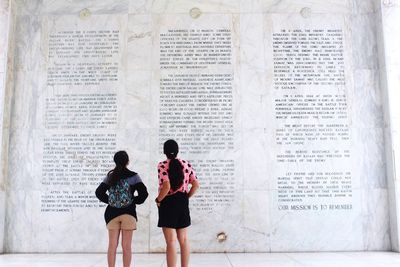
(126, 247)
(170, 239)
(113, 236)
(184, 244)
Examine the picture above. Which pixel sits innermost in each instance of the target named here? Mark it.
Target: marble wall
(388, 19)
(4, 30)
(90, 78)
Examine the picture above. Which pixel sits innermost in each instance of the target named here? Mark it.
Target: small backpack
(120, 195)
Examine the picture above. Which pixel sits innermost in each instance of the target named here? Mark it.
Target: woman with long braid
(174, 177)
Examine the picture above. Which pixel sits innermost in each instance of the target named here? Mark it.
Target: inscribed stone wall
(311, 106)
(273, 104)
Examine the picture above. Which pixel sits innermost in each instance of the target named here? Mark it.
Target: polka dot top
(188, 178)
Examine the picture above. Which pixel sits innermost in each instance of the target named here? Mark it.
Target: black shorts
(174, 211)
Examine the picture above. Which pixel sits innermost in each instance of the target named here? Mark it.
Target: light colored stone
(391, 18)
(5, 15)
(368, 111)
(252, 221)
(364, 47)
(184, 6)
(75, 7)
(140, 37)
(293, 6)
(344, 259)
(139, 6)
(365, 6)
(388, 53)
(376, 220)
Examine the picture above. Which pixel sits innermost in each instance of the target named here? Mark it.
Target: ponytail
(175, 171)
(175, 174)
(121, 159)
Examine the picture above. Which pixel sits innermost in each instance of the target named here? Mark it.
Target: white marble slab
(4, 33)
(391, 13)
(354, 259)
(251, 221)
(292, 6)
(368, 111)
(3, 30)
(388, 40)
(28, 52)
(26, 7)
(365, 6)
(140, 37)
(184, 6)
(393, 81)
(373, 226)
(364, 42)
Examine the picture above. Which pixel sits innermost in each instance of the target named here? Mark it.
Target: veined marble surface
(5, 13)
(388, 18)
(252, 220)
(349, 259)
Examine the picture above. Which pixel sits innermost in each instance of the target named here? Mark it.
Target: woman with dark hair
(174, 177)
(120, 215)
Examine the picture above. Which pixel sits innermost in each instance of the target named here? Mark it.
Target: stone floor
(337, 259)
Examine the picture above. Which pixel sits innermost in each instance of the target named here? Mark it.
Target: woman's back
(188, 175)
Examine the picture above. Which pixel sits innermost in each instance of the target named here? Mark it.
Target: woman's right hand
(158, 202)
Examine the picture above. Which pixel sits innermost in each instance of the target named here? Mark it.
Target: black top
(136, 185)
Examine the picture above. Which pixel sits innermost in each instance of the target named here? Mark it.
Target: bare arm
(193, 189)
(166, 186)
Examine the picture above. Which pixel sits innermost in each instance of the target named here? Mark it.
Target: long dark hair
(121, 159)
(175, 169)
